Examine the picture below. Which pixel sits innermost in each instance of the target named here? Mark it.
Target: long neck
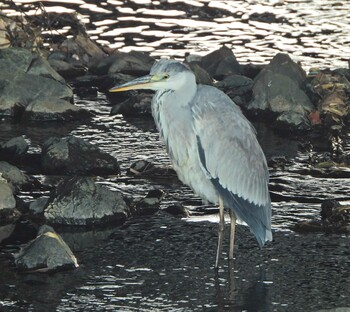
(169, 105)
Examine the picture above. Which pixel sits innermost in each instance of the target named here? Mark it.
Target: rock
(134, 63)
(54, 109)
(8, 219)
(240, 84)
(79, 201)
(282, 64)
(41, 67)
(100, 65)
(178, 211)
(47, 252)
(38, 206)
(71, 155)
(19, 90)
(290, 121)
(7, 200)
(220, 63)
(335, 218)
(202, 76)
(67, 70)
(15, 177)
(278, 94)
(25, 77)
(149, 204)
(134, 106)
(141, 167)
(13, 149)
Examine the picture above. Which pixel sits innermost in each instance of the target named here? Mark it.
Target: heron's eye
(165, 76)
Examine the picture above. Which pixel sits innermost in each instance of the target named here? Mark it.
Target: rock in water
(47, 252)
(7, 200)
(80, 201)
(71, 155)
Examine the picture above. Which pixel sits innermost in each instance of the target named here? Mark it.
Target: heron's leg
(232, 233)
(221, 231)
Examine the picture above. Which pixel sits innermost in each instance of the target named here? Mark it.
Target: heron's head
(164, 75)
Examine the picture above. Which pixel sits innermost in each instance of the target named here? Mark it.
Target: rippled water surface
(160, 263)
(316, 32)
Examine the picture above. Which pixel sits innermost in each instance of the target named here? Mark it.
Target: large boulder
(80, 201)
(221, 63)
(29, 83)
(277, 91)
(47, 252)
(71, 155)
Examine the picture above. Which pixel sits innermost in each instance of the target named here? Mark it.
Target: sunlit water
(159, 263)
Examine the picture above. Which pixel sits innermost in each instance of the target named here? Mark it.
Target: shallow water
(160, 263)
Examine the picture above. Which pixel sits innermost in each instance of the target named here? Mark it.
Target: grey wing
(232, 158)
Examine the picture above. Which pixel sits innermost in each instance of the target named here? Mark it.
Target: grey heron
(212, 146)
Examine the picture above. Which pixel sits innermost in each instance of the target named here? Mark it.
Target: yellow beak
(144, 82)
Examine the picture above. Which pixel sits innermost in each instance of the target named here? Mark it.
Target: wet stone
(135, 106)
(80, 201)
(13, 149)
(71, 155)
(47, 252)
(221, 63)
(178, 210)
(17, 179)
(148, 205)
(7, 200)
(38, 206)
(51, 109)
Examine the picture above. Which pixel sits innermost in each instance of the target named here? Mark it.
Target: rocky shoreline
(38, 86)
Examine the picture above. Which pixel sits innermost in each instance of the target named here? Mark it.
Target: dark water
(160, 263)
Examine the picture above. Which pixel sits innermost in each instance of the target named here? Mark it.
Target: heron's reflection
(242, 290)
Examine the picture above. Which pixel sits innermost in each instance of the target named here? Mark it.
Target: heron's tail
(257, 217)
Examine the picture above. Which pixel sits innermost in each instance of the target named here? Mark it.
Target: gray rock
(53, 109)
(202, 76)
(238, 84)
(47, 252)
(80, 201)
(178, 211)
(292, 121)
(71, 155)
(19, 90)
(26, 77)
(134, 106)
(282, 64)
(7, 200)
(42, 67)
(13, 148)
(6, 231)
(279, 94)
(15, 59)
(221, 63)
(67, 70)
(134, 63)
(38, 206)
(15, 177)
(148, 205)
